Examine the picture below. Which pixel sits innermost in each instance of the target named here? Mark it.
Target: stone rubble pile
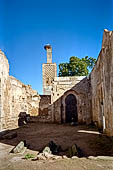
(52, 150)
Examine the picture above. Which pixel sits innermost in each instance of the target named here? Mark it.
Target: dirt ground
(38, 135)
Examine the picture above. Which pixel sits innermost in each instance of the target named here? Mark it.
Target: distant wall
(45, 101)
(62, 84)
(83, 95)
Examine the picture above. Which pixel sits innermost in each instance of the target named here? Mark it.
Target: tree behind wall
(76, 66)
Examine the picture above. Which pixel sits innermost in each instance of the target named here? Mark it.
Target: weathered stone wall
(24, 98)
(18, 98)
(62, 84)
(4, 73)
(94, 94)
(83, 95)
(15, 97)
(102, 85)
(45, 101)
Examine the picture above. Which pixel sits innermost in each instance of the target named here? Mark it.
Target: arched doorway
(71, 109)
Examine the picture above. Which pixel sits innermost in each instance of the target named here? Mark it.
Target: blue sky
(72, 27)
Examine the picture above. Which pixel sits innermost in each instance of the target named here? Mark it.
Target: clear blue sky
(72, 27)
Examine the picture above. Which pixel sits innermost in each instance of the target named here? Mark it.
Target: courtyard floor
(38, 135)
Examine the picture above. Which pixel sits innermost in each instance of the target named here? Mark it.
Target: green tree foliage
(76, 66)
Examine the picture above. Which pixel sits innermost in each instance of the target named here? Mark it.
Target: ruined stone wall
(83, 89)
(94, 94)
(102, 85)
(4, 72)
(82, 93)
(15, 97)
(24, 97)
(18, 98)
(62, 84)
(45, 101)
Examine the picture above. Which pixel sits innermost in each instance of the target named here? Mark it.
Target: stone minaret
(49, 70)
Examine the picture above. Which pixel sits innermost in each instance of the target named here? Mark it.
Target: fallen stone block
(74, 150)
(74, 157)
(48, 155)
(92, 157)
(65, 157)
(19, 148)
(55, 157)
(47, 150)
(41, 157)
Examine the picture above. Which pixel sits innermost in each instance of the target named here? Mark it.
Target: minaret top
(48, 48)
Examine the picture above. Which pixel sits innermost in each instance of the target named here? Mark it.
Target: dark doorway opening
(71, 109)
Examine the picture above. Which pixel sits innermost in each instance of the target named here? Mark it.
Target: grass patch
(29, 156)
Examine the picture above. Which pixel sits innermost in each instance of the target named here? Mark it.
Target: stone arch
(71, 109)
(63, 110)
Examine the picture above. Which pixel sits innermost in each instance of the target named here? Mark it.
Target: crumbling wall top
(106, 38)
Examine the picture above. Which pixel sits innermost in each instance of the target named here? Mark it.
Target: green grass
(29, 156)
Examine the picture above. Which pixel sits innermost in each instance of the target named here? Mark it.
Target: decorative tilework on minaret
(49, 70)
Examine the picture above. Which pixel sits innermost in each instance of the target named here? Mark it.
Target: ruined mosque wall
(102, 85)
(4, 72)
(94, 94)
(15, 97)
(61, 84)
(24, 98)
(82, 93)
(45, 101)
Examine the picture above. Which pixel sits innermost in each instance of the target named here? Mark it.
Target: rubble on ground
(52, 150)
(20, 148)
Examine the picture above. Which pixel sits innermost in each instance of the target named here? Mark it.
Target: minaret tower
(49, 70)
(48, 48)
